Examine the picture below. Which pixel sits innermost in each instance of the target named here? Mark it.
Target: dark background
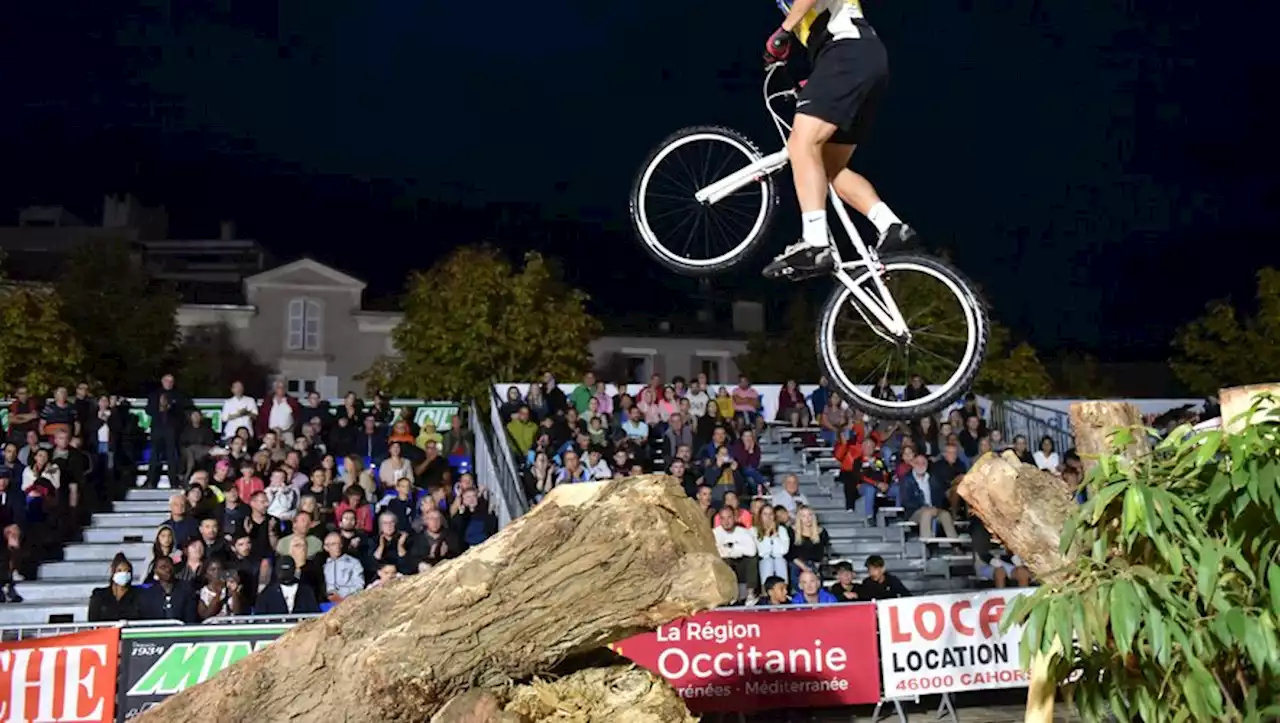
(1101, 168)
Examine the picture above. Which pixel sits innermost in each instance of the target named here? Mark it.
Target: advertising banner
(438, 413)
(156, 663)
(61, 678)
(945, 643)
(748, 660)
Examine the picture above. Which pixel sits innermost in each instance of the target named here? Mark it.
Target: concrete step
(86, 569)
(104, 551)
(129, 519)
(138, 494)
(872, 547)
(117, 535)
(29, 613)
(38, 591)
(146, 506)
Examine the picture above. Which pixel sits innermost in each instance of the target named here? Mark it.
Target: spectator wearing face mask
(119, 600)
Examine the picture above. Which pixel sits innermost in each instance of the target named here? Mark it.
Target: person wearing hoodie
(522, 430)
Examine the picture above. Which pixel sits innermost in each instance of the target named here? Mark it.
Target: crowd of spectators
(290, 507)
(764, 527)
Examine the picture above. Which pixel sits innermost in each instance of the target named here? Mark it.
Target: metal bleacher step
(129, 519)
(144, 505)
(84, 570)
(43, 591)
(104, 551)
(140, 494)
(42, 613)
(117, 535)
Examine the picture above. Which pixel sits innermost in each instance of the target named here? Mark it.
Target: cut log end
(1095, 423)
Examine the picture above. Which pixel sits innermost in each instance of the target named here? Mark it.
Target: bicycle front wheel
(683, 233)
(948, 331)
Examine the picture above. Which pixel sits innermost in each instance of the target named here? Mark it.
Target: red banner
(60, 679)
(746, 659)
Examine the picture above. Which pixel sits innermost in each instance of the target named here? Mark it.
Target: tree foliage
(474, 317)
(1223, 348)
(37, 348)
(124, 319)
(1080, 375)
(787, 353)
(1174, 597)
(1011, 370)
(210, 359)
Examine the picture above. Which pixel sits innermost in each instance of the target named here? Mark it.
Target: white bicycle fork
(880, 305)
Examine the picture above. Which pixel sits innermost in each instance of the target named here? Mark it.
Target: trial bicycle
(706, 197)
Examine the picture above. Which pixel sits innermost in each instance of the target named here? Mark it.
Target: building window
(299, 387)
(637, 369)
(305, 318)
(711, 367)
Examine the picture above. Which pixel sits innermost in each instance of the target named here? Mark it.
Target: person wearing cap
(286, 595)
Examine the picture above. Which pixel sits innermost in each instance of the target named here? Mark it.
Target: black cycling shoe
(800, 261)
(897, 237)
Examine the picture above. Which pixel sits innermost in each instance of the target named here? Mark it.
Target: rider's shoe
(897, 237)
(801, 261)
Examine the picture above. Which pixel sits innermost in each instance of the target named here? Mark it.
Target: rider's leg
(805, 148)
(854, 189)
(811, 255)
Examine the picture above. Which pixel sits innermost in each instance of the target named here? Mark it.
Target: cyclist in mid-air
(834, 113)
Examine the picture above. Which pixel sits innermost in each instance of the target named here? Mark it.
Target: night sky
(1101, 168)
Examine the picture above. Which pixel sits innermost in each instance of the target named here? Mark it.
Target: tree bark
(616, 694)
(593, 563)
(1094, 423)
(1236, 401)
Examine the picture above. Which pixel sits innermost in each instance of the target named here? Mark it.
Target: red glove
(778, 48)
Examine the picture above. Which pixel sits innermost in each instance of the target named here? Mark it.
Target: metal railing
(260, 619)
(505, 467)
(47, 630)
(1015, 416)
(506, 497)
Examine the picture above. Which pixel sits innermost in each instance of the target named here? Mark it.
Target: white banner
(946, 643)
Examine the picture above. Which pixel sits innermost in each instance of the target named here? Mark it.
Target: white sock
(882, 216)
(815, 228)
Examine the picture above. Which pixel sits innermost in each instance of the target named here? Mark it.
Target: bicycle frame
(884, 309)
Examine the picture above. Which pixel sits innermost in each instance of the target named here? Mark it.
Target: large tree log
(1025, 507)
(591, 564)
(616, 694)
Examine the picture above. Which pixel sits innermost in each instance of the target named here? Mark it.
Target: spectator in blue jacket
(924, 499)
(811, 592)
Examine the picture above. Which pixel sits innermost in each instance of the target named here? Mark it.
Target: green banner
(156, 663)
(439, 413)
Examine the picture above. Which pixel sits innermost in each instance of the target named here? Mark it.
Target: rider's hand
(778, 47)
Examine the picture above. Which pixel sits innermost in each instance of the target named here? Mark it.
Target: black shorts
(847, 85)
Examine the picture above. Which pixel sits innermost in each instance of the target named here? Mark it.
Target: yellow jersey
(828, 20)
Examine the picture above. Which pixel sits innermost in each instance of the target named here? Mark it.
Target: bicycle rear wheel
(684, 234)
(948, 337)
